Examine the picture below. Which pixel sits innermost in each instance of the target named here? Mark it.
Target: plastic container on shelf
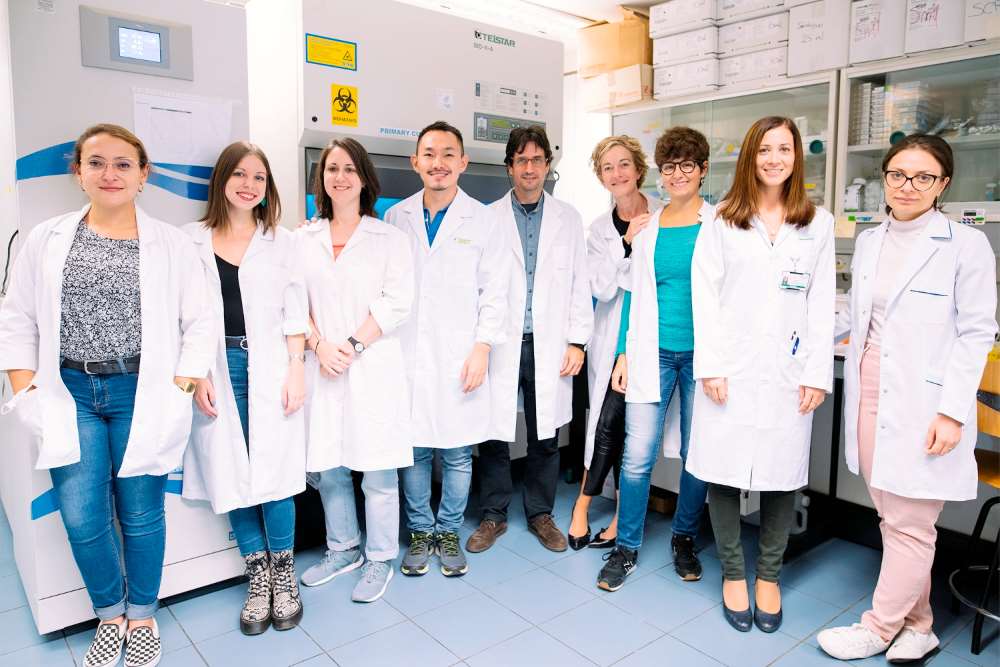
(854, 195)
(991, 192)
(873, 194)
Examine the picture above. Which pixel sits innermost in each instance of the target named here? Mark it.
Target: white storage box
(817, 37)
(878, 29)
(686, 47)
(752, 68)
(982, 20)
(738, 10)
(674, 16)
(614, 89)
(796, 3)
(933, 24)
(754, 35)
(686, 78)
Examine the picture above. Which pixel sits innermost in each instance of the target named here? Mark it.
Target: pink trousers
(902, 595)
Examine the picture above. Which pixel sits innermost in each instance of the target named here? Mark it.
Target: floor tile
(667, 651)
(583, 627)
(494, 566)
(331, 602)
(50, 654)
(539, 595)
(711, 634)
(319, 661)
(17, 631)
(660, 603)
(836, 584)
(533, 647)
(525, 544)
(212, 614)
(990, 655)
(946, 659)
(393, 647)
(803, 614)
(185, 657)
(472, 624)
(11, 592)
(271, 649)
(582, 567)
(710, 584)
(415, 595)
(844, 553)
(808, 655)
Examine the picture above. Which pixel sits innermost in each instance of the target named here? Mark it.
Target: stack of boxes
(986, 108)
(911, 107)
(868, 119)
(753, 51)
(685, 47)
(615, 63)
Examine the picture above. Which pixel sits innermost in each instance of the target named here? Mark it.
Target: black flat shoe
(602, 542)
(767, 622)
(577, 543)
(741, 620)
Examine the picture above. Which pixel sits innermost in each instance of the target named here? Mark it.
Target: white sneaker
(851, 643)
(911, 645)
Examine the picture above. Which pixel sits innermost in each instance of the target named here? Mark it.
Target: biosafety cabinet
(175, 73)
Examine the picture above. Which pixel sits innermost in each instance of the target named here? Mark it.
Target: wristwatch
(359, 347)
(297, 356)
(187, 386)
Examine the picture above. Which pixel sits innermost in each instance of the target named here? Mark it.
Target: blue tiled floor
(519, 605)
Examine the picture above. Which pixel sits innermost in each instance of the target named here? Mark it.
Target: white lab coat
(609, 269)
(745, 330)
(361, 419)
(561, 314)
(939, 327)
(217, 465)
(461, 299)
(178, 339)
(642, 340)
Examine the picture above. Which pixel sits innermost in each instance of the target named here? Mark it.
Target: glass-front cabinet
(958, 100)
(725, 120)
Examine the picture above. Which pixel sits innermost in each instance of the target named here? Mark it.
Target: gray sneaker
(375, 576)
(333, 564)
(453, 562)
(415, 563)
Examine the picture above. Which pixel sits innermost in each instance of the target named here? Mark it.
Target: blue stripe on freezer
(51, 161)
(48, 502)
(195, 170)
(196, 191)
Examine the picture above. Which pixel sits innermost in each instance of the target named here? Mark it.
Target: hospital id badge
(794, 280)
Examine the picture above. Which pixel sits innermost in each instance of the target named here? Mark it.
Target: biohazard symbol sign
(344, 105)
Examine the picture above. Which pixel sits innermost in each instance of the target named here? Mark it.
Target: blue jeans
(269, 526)
(86, 490)
(456, 465)
(644, 423)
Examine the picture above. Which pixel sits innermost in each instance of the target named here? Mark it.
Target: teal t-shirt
(672, 265)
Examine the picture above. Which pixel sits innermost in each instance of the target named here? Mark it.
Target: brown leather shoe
(547, 532)
(484, 537)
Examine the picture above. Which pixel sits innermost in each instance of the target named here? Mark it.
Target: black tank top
(232, 302)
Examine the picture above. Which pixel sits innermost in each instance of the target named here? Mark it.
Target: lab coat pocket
(27, 410)
(179, 410)
(928, 304)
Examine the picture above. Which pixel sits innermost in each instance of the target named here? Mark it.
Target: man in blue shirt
(550, 320)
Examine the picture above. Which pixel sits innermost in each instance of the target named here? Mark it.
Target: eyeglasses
(686, 167)
(537, 161)
(120, 165)
(920, 182)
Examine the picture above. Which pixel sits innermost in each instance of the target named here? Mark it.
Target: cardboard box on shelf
(610, 46)
(614, 89)
(982, 20)
(754, 35)
(736, 10)
(817, 37)
(751, 68)
(675, 16)
(686, 47)
(933, 24)
(878, 29)
(685, 78)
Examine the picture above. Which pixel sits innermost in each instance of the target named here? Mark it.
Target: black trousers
(609, 443)
(541, 465)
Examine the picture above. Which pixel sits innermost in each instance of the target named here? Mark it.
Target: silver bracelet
(297, 356)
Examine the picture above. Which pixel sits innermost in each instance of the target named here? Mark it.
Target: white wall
(8, 156)
(581, 132)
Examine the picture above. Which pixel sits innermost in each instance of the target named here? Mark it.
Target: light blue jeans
(644, 423)
(456, 465)
(90, 493)
(269, 526)
(381, 489)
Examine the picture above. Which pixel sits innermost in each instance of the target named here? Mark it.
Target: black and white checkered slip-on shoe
(142, 646)
(106, 649)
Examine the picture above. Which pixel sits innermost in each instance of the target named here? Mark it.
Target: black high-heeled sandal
(600, 542)
(577, 543)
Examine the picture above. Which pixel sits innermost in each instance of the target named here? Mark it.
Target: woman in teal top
(657, 324)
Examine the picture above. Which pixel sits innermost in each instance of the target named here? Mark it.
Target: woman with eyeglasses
(92, 292)
(762, 280)
(654, 367)
(921, 319)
